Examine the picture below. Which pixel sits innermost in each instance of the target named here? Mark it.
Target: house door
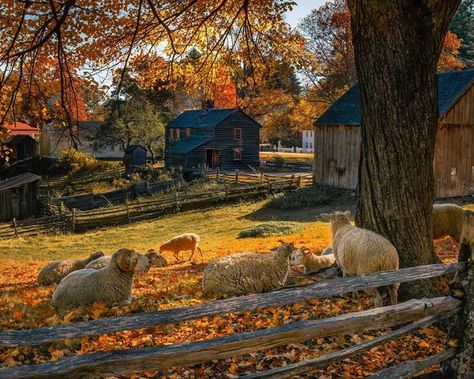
(213, 158)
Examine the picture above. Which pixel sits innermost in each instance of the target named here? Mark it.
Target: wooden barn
(337, 138)
(216, 138)
(134, 157)
(19, 197)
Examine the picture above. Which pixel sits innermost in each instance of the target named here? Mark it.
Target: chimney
(207, 105)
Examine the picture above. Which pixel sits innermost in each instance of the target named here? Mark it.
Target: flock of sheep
(355, 251)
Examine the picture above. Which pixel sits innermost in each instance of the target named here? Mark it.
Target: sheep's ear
(127, 260)
(281, 241)
(305, 250)
(325, 216)
(347, 213)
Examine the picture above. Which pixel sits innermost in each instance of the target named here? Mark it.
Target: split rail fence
(407, 316)
(140, 209)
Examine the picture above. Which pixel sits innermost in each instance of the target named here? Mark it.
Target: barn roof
(200, 118)
(346, 110)
(18, 181)
(188, 144)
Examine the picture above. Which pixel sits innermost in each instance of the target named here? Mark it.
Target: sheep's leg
(192, 254)
(200, 252)
(176, 257)
(378, 302)
(393, 290)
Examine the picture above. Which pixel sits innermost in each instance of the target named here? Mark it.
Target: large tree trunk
(397, 45)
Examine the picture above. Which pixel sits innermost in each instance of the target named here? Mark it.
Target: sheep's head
(337, 219)
(143, 264)
(95, 255)
(126, 259)
(298, 256)
(156, 259)
(284, 250)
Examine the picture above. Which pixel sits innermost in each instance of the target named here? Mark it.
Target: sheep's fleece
(312, 263)
(247, 273)
(447, 220)
(183, 242)
(57, 270)
(111, 284)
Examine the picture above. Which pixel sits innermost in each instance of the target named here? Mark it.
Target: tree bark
(397, 45)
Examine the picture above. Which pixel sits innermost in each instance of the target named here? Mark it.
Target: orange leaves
(448, 59)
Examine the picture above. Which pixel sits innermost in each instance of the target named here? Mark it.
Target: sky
(301, 10)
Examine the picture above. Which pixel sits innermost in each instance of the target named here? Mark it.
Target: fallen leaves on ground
(25, 305)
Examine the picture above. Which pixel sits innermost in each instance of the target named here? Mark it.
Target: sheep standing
(57, 270)
(246, 273)
(183, 242)
(312, 263)
(447, 220)
(111, 284)
(145, 262)
(360, 251)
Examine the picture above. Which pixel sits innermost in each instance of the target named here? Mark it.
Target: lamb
(360, 251)
(312, 263)
(447, 220)
(57, 270)
(246, 273)
(183, 242)
(111, 284)
(145, 262)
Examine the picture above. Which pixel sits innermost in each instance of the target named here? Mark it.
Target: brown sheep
(183, 242)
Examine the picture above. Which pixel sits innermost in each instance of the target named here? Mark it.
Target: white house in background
(308, 141)
(56, 140)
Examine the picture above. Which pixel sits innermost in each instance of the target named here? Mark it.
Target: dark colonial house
(337, 138)
(216, 138)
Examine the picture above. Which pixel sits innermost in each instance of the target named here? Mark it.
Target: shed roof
(346, 110)
(21, 129)
(18, 181)
(188, 144)
(132, 148)
(201, 118)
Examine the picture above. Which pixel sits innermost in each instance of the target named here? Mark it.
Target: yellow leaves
(96, 310)
(234, 368)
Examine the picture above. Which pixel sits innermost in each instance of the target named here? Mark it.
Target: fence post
(217, 174)
(298, 181)
(177, 201)
(128, 210)
(237, 175)
(462, 327)
(14, 226)
(227, 193)
(313, 179)
(73, 219)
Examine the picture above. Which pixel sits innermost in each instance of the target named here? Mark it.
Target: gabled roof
(346, 110)
(132, 148)
(21, 129)
(201, 118)
(18, 181)
(188, 144)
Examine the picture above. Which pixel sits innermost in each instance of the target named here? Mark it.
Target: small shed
(134, 157)
(19, 197)
(337, 138)
(22, 140)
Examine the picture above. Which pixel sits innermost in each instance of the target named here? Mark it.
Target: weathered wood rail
(417, 313)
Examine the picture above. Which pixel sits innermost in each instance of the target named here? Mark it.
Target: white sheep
(183, 242)
(145, 262)
(246, 273)
(361, 251)
(447, 220)
(57, 270)
(312, 263)
(110, 285)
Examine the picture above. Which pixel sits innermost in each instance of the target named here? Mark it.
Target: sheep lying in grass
(246, 273)
(110, 285)
(360, 251)
(183, 242)
(312, 263)
(55, 271)
(447, 220)
(145, 262)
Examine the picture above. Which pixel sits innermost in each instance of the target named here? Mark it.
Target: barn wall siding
(337, 154)
(462, 113)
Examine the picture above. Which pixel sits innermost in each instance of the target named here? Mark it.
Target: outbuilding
(19, 197)
(337, 138)
(134, 157)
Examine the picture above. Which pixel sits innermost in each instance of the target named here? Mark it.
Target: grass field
(288, 157)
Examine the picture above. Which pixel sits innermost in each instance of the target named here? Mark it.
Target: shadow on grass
(305, 205)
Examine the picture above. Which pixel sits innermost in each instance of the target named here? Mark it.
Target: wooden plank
(337, 356)
(322, 289)
(410, 368)
(155, 358)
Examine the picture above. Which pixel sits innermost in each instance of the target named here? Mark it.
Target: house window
(188, 132)
(238, 154)
(176, 131)
(310, 145)
(112, 147)
(238, 133)
(171, 135)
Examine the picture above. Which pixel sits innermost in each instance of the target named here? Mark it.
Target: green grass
(275, 228)
(218, 228)
(306, 158)
(302, 198)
